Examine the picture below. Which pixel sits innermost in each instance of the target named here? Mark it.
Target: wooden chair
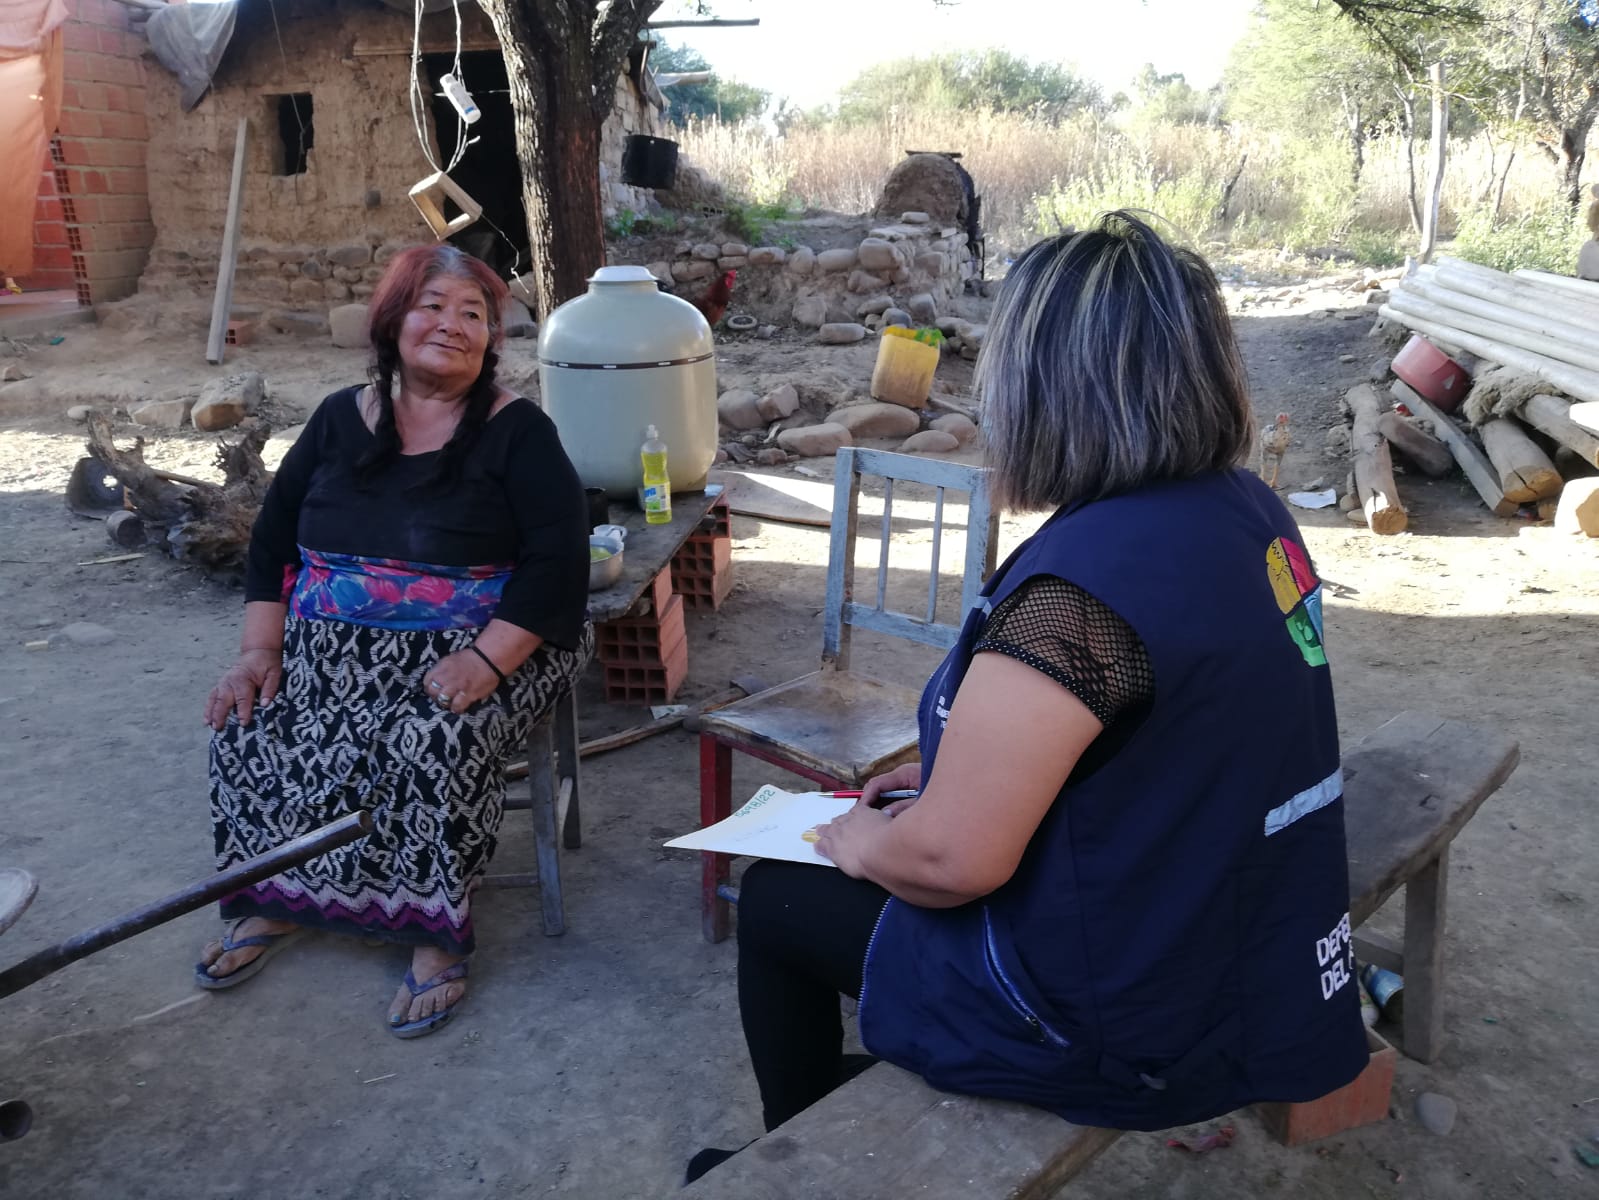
(834, 726)
(553, 771)
(1409, 788)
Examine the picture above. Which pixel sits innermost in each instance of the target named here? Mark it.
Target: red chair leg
(716, 804)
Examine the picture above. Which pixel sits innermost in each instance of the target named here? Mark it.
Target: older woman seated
(1121, 894)
(415, 600)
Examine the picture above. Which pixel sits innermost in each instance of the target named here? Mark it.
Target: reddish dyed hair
(413, 269)
(396, 295)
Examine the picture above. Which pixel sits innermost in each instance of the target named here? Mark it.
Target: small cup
(599, 506)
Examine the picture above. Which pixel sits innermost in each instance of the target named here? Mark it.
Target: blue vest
(1175, 943)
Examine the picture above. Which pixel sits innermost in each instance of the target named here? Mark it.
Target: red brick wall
(100, 193)
(52, 257)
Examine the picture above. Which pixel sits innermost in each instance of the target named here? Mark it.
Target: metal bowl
(605, 571)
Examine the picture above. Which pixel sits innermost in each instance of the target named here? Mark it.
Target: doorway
(489, 172)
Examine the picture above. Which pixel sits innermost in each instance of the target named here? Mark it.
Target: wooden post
(544, 786)
(1436, 154)
(1472, 460)
(1426, 910)
(1551, 416)
(215, 343)
(1374, 468)
(1525, 472)
(1420, 447)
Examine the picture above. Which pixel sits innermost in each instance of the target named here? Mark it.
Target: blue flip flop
(273, 942)
(416, 1029)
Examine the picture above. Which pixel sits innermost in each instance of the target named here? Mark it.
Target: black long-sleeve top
(518, 501)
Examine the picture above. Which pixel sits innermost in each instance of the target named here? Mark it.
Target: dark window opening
(296, 134)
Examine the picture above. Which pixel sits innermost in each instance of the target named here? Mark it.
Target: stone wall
(318, 238)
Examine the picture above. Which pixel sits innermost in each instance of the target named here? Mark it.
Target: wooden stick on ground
(1420, 447)
(1551, 415)
(1525, 472)
(1472, 460)
(1374, 468)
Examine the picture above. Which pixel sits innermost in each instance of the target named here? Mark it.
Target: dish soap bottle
(657, 486)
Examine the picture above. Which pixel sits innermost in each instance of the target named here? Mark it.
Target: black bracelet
(490, 661)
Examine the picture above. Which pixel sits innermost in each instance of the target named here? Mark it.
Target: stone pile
(773, 428)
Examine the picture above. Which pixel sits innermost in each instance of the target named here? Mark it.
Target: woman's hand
(845, 838)
(253, 679)
(458, 681)
(905, 778)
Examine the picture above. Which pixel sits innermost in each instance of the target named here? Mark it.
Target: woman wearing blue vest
(1122, 892)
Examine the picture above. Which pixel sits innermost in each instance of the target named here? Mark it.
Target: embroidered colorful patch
(1298, 594)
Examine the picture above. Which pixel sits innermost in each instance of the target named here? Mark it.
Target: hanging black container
(649, 162)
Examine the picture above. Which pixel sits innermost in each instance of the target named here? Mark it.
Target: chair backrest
(982, 540)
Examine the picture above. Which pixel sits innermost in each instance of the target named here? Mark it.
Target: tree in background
(563, 58)
(1172, 98)
(728, 100)
(1301, 68)
(983, 81)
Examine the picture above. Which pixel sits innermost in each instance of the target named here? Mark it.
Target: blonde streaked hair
(1110, 363)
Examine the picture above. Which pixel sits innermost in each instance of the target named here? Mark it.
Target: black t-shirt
(518, 501)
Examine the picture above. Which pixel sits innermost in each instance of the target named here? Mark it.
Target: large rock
(897, 316)
(693, 268)
(162, 414)
(874, 304)
(516, 320)
(930, 441)
(932, 262)
(734, 250)
(1579, 507)
(780, 402)
(802, 261)
(814, 441)
(767, 256)
(962, 429)
(223, 403)
(865, 281)
(914, 218)
(922, 308)
(731, 262)
(707, 252)
(740, 408)
(350, 256)
(810, 311)
(836, 260)
(352, 327)
(841, 333)
(876, 420)
(878, 254)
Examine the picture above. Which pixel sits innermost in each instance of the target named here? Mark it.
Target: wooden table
(648, 549)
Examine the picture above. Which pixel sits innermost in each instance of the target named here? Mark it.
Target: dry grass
(1034, 176)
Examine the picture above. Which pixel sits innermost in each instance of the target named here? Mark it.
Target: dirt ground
(592, 1065)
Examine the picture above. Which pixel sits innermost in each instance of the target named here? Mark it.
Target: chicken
(1274, 444)
(715, 299)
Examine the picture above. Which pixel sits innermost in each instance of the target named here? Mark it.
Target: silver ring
(436, 685)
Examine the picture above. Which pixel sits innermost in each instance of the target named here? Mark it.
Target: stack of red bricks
(92, 226)
(645, 655)
(702, 571)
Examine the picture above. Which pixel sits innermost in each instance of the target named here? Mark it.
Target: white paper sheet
(772, 824)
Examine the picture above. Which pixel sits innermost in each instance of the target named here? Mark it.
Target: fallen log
(1374, 468)
(1525, 473)
(1551, 416)
(1472, 460)
(1574, 381)
(1428, 454)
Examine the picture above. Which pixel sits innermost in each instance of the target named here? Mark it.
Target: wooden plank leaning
(1374, 467)
(1472, 460)
(1551, 415)
(216, 342)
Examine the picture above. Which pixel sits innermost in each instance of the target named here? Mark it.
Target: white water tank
(619, 359)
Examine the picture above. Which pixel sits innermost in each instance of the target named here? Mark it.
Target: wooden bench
(1410, 787)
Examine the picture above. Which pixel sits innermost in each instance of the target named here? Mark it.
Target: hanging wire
(294, 105)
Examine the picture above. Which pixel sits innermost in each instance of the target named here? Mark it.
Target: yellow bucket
(904, 371)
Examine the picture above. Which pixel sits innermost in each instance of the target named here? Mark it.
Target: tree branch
(613, 36)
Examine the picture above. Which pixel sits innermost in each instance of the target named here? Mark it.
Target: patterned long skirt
(351, 729)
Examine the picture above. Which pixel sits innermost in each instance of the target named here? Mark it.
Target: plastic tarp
(189, 40)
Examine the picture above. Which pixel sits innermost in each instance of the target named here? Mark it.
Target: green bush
(1187, 201)
(1374, 247)
(1546, 239)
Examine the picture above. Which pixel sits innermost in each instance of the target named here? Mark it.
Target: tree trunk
(1407, 116)
(1499, 193)
(1573, 153)
(1436, 155)
(563, 58)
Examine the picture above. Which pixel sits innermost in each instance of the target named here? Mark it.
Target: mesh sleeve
(1056, 627)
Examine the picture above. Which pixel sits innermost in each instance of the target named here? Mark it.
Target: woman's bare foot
(218, 964)
(426, 962)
